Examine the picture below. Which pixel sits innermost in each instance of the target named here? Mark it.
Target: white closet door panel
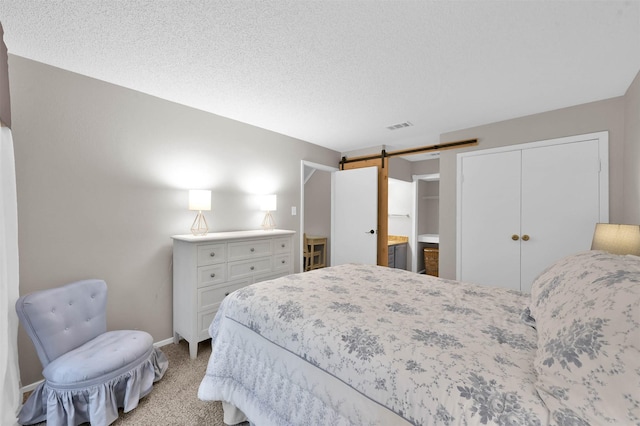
(490, 215)
(560, 203)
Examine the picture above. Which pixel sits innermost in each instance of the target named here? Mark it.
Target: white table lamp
(199, 199)
(617, 239)
(268, 205)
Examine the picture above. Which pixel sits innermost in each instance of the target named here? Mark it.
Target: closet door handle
(515, 237)
(525, 237)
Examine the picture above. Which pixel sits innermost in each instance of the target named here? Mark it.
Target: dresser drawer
(210, 275)
(249, 249)
(282, 245)
(208, 254)
(211, 297)
(249, 267)
(281, 261)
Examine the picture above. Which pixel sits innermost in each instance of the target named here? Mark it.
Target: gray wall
(425, 167)
(400, 169)
(102, 178)
(592, 117)
(317, 207)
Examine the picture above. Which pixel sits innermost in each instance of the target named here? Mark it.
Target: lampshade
(199, 199)
(617, 239)
(268, 203)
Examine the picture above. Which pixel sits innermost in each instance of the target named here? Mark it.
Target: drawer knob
(226, 294)
(252, 250)
(283, 261)
(213, 275)
(283, 245)
(212, 254)
(251, 268)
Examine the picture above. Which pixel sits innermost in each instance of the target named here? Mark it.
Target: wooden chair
(310, 256)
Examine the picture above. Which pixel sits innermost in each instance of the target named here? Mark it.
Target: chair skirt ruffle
(98, 403)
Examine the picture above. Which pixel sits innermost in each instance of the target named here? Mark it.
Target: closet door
(490, 215)
(560, 203)
(521, 208)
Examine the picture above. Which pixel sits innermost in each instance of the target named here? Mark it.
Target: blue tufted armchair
(89, 372)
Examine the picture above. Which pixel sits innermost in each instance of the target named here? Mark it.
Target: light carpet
(174, 399)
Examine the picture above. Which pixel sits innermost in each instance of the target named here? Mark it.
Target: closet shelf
(429, 238)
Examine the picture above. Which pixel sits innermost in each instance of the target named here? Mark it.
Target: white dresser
(207, 268)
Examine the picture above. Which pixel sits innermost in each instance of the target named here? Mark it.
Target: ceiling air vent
(400, 125)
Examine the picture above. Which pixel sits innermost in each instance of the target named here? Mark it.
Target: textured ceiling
(338, 73)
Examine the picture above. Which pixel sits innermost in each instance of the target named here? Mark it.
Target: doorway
(315, 204)
(427, 217)
(313, 221)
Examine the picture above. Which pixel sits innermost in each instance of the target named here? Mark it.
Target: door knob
(515, 237)
(372, 232)
(525, 237)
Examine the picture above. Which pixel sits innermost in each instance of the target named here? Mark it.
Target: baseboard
(163, 342)
(32, 386)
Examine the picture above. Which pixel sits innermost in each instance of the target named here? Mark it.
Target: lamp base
(268, 223)
(200, 226)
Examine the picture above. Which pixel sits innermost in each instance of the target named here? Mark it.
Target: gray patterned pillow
(587, 314)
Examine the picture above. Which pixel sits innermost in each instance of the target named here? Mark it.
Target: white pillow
(587, 313)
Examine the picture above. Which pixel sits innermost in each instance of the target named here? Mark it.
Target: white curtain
(10, 398)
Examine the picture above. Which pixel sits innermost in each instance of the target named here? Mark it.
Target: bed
(368, 345)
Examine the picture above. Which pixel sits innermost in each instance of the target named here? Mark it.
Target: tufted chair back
(61, 319)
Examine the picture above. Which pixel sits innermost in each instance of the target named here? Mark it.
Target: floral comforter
(368, 345)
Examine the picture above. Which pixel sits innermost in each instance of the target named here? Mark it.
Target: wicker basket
(431, 261)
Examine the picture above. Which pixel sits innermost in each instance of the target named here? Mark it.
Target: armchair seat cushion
(107, 356)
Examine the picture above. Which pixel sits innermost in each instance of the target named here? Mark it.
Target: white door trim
(317, 166)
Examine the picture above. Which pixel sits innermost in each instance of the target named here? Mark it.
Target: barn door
(354, 216)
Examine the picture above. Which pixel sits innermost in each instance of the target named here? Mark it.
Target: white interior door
(560, 203)
(489, 216)
(354, 216)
